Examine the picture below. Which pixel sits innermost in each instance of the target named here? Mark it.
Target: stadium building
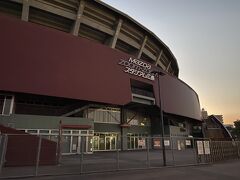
(87, 68)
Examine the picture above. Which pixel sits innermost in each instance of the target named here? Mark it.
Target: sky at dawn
(204, 36)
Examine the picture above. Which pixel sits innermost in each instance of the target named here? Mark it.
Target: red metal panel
(45, 61)
(40, 60)
(68, 126)
(179, 98)
(22, 149)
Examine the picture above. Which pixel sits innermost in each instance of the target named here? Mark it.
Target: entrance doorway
(105, 141)
(110, 142)
(73, 144)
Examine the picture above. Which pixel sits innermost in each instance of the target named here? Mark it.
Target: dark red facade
(39, 60)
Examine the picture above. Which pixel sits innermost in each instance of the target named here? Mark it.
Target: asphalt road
(223, 171)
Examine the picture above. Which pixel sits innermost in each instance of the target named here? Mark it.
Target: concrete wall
(19, 121)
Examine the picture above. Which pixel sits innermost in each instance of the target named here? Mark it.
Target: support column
(167, 68)
(158, 60)
(141, 49)
(77, 23)
(115, 36)
(25, 10)
(123, 129)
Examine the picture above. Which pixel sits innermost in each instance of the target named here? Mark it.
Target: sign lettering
(137, 68)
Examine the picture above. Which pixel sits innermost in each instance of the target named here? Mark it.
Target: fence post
(81, 154)
(237, 147)
(148, 162)
(220, 154)
(4, 138)
(38, 155)
(222, 150)
(204, 154)
(211, 150)
(195, 150)
(172, 150)
(117, 155)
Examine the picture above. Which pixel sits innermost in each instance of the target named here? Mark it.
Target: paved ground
(224, 171)
(105, 161)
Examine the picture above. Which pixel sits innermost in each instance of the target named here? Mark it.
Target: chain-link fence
(27, 155)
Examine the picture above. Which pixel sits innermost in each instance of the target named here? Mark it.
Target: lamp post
(159, 73)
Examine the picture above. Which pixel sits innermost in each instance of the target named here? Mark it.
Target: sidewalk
(223, 171)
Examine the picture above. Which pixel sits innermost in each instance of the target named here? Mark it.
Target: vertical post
(59, 154)
(81, 154)
(25, 10)
(172, 150)
(4, 138)
(211, 151)
(38, 155)
(222, 150)
(204, 154)
(195, 151)
(117, 156)
(162, 122)
(238, 149)
(148, 142)
(220, 154)
(159, 73)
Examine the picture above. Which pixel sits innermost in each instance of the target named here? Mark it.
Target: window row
(6, 104)
(138, 119)
(104, 115)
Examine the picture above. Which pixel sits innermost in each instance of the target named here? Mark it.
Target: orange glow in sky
(204, 36)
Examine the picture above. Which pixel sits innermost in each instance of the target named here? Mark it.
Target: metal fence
(138, 153)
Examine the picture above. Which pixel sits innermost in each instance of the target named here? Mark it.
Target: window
(138, 119)
(54, 131)
(32, 131)
(44, 131)
(136, 141)
(75, 132)
(6, 104)
(104, 115)
(66, 132)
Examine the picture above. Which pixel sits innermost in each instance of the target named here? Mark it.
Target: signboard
(200, 147)
(141, 142)
(206, 147)
(188, 142)
(156, 143)
(166, 143)
(137, 67)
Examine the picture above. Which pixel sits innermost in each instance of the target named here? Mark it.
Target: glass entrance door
(75, 144)
(95, 143)
(66, 142)
(110, 142)
(104, 141)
